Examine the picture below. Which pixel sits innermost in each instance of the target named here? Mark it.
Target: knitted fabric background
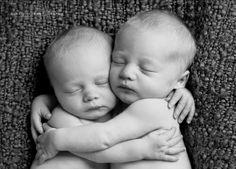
(27, 27)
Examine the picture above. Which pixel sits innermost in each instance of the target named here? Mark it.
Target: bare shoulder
(150, 105)
(155, 110)
(151, 101)
(61, 119)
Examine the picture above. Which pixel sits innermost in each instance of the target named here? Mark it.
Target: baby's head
(152, 53)
(78, 64)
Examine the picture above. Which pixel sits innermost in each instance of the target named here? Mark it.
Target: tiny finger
(41, 159)
(38, 139)
(183, 114)
(191, 114)
(34, 133)
(38, 125)
(38, 154)
(46, 114)
(169, 96)
(38, 147)
(175, 98)
(169, 158)
(175, 151)
(46, 127)
(179, 108)
(174, 141)
(185, 111)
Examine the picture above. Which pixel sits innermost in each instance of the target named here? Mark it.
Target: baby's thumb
(46, 115)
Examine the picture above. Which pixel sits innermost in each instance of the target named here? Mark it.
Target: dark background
(27, 27)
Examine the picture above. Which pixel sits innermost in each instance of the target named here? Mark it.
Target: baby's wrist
(59, 142)
(145, 148)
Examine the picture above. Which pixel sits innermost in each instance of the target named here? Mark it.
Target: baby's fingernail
(175, 116)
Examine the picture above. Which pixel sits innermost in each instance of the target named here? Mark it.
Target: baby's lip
(97, 108)
(126, 88)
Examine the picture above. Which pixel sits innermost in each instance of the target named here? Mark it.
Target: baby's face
(140, 68)
(80, 81)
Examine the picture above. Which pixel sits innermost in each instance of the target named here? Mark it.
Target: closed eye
(148, 66)
(102, 82)
(147, 70)
(74, 91)
(118, 61)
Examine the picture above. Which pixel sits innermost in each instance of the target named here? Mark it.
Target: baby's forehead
(80, 46)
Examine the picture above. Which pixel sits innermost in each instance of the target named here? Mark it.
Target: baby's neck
(104, 118)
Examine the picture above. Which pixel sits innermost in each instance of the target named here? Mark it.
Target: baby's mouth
(97, 108)
(126, 89)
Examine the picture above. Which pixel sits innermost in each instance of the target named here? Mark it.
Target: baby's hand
(184, 102)
(163, 146)
(45, 145)
(39, 111)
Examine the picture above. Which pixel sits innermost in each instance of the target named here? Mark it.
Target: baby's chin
(94, 115)
(128, 99)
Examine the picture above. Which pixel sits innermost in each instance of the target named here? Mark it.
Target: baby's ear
(182, 80)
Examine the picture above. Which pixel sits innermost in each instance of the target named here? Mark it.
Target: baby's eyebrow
(103, 76)
(147, 61)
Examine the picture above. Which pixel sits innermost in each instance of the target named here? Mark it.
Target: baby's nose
(128, 73)
(90, 94)
(90, 97)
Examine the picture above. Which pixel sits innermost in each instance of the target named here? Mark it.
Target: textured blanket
(28, 26)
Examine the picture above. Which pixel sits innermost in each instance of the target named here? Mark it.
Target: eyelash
(75, 91)
(118, 63)
(146, 71)
(101, 82)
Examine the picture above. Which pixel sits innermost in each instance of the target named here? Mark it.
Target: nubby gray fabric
(27, 27)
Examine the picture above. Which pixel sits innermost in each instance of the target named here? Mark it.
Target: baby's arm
(62, 119)
(40, 110)
(134, 122)
(157, 145)
(184, 102)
